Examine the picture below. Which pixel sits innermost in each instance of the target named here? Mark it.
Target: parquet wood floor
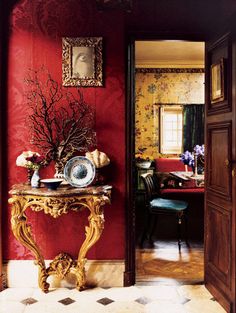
(163, 263)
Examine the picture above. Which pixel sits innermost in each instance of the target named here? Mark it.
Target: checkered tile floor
(135, 299)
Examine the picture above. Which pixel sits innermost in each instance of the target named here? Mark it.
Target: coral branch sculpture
(60, 124)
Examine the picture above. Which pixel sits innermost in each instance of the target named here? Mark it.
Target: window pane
(171, 130)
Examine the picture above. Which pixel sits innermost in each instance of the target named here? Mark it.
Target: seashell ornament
(100, 159)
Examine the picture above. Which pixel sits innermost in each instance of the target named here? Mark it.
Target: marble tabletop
(63, 190)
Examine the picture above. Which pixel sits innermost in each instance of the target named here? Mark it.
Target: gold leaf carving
(22, 199)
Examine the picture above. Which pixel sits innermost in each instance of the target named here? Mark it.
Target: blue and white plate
(79, 171)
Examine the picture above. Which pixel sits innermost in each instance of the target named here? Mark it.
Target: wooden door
(220, 202)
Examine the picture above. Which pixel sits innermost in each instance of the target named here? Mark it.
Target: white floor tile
(160, 292)
(11, 307)
(194, 291)
(135, 299)
(125, 307)
(124, 294)
(52, 296)
(45, 307)
(206, 306)
(16, 294)
(93, 294)
(86, 307)
(163, 306)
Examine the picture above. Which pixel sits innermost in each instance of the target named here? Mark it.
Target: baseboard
(102, 273)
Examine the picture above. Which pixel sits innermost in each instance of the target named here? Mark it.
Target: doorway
(169, 82)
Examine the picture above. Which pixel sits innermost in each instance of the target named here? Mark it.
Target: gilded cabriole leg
(22, 232)
(92, 233)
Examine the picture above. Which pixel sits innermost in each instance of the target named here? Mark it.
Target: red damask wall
(37, 27)
(35, 39)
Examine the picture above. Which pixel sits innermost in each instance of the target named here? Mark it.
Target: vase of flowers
(199, 152)
(35, 179)
(194, 159)
(143, 160)
(187, 158)
(32, 161)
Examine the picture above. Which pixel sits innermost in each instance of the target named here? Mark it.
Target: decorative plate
(79, 171)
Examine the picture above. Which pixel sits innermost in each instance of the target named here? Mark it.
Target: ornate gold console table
(56, 203)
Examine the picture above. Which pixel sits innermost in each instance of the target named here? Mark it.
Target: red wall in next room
(35, 40)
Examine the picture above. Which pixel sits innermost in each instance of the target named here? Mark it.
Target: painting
(217, 81)
(82, 61)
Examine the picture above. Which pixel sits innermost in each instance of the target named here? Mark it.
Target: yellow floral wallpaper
(162, 86)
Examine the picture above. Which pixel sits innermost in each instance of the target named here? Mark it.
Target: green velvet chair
(156, 205)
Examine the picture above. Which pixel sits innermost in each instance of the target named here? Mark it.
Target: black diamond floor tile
(105, 301)
(143, 300)
(28, 301)
(67, 301)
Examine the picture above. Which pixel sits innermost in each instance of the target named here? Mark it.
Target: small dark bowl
(51, 183)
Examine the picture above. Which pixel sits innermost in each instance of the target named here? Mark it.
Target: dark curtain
(193, 126)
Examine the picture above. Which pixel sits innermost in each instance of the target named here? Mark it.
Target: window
(171, 129)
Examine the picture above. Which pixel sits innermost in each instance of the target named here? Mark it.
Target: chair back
(150, 182)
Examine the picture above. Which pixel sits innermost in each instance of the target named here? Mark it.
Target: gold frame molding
(217, 81)
(147, 70)
(82, 61)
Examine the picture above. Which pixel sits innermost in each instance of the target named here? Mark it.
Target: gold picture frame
(217, 81)
(82, 61)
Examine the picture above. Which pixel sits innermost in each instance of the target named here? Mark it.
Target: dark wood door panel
(220, 50)
(220, 199)
(211, 197)
(218, 243)
(219, 178)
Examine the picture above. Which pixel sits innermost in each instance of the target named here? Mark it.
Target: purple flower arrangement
(188, 157)
(199, 150)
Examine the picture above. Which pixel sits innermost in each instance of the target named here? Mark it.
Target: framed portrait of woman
(82, 61)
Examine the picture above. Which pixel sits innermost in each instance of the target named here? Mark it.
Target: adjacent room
(169, 123)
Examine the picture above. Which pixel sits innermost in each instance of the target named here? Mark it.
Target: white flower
(21, 159)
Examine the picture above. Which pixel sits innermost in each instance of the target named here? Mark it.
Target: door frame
(130, 262)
